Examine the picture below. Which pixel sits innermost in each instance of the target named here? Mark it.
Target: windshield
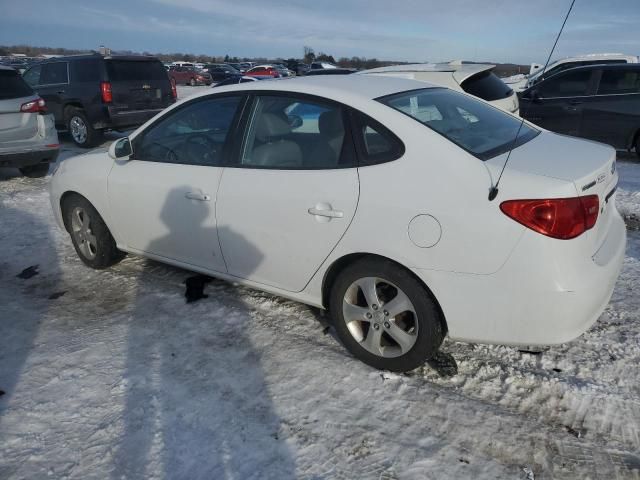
(479, 128)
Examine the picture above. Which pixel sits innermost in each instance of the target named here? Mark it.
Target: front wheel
(384, 315)
(90, 236)
(192, 82)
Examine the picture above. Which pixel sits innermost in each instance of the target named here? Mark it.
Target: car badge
(601, 177)
(146, 87)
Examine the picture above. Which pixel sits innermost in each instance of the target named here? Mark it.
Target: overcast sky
(414, 30)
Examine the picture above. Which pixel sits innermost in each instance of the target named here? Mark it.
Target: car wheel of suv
(80, 129)
(638, 145)
(90, 236)
(35, 171)
(384, 315)
(192, 82)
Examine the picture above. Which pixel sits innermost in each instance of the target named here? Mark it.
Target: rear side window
(487, 86)
(13, 86)
(87, 70)
(54, 73)
(135, 70)
(619, 82)
(478, 128)
(376, 143)
(570, 84)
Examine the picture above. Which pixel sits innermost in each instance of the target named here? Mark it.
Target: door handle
(575, 102)
(202, 197)
(60, 92)
(325, 210)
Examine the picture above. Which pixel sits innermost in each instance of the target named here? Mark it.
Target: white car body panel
(495, 280)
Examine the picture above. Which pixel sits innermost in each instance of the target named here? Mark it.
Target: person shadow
(196, 404)
(30, 286)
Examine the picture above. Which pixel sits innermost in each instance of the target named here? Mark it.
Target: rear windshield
(13, 86)
(480, 129)
(135, 70)
(487, 86)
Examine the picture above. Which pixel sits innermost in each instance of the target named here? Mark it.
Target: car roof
(460, 71)
(597, 66)
(338, 87)
(86, 56)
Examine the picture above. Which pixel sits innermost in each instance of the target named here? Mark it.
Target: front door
(291, 196)
(559, 103)
(164, 197)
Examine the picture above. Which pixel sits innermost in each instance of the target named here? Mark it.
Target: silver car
(28, 138)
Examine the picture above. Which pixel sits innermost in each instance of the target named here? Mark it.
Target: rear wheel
(80, 129)
(384, 315)
(192, 82)
(35, 171)
(638, 145)
(90, 236)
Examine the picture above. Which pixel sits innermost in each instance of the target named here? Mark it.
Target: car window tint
(378, 144)
(619, 82)
(477, 127)
(487, 86)
(87, 70)
(571, 84)
(195, 134)
(135, 70)
(54, 73)
(13, 86)
(32, 76)
(295, 133)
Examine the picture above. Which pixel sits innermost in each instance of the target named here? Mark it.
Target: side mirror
(120, 149)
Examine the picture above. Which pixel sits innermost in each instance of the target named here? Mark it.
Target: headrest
(330, 123)
(270, 126)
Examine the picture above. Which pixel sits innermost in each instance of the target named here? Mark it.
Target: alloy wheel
(380, 317)
(81, 228)
(78, 129)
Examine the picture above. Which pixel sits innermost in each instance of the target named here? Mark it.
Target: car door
(556, 103)
(163, 199)
(612, 116)
(292, 192)
(53, 86)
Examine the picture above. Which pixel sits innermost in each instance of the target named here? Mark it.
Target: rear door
(560, 100)
(15, 126)
(138, 84)
(612, 116)
(291, 195)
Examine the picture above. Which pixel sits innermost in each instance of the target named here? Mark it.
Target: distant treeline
(359, 63)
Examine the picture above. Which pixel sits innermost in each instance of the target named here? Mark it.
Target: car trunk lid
(588, 165)
(138, 84)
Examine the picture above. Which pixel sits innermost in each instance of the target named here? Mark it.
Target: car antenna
(493, 191)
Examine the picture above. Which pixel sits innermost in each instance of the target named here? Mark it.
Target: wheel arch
(343, 262)
(66, 196)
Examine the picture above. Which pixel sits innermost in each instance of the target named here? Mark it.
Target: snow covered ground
(111, 374)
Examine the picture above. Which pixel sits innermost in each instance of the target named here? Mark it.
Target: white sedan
(367, 196)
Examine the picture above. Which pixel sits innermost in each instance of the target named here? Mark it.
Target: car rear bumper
(26, 158)
(531, 302)
(123, 119)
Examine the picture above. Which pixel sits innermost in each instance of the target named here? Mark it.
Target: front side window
(619, 82)
(571, 84)
(54, 73)
(295, 133)
(480, 129)
(195, 134)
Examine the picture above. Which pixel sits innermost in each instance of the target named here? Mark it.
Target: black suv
(88, 94)
(598, 102)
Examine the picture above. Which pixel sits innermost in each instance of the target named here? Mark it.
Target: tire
(35, 171)
(192, 82)
(638, 145)
(80, 129)
(90, 236)
(405, 336)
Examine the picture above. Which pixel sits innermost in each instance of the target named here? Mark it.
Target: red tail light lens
(105, 89)
(174, 92)
(562, 218)
(35, 106)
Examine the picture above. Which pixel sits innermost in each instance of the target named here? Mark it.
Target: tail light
(35, 106)
(562, 218)
(174, 92)
(105, 89)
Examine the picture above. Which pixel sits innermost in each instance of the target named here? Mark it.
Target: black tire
(35, 171)
(106, 253)
(192, 82)
(76, 116)
(428, 320)
(638, 145)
